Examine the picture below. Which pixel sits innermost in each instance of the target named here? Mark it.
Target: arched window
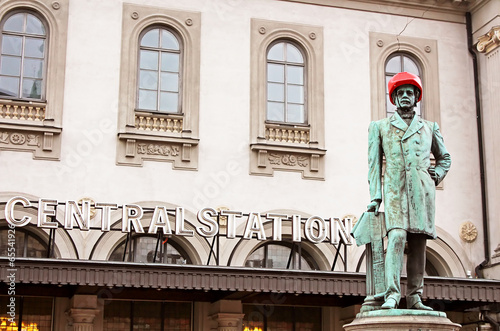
(159, 71)
(144, 248)
(23, 57)
(396, 63)
(286, 91)
(281, 255)
(25, 244)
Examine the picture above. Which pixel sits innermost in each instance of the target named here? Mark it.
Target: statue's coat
(409, 190)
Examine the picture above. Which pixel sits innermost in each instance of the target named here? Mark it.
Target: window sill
(24, 127)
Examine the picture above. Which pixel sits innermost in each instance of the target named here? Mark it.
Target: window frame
(287, 146)
(25, 35)
(285, 63)
(159, 50)
(424, 51)
(153, 135)
(421, 108)
(132, 243)
(35, 125)
(298, 253)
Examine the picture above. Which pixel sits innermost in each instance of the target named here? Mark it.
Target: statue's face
(405, 97)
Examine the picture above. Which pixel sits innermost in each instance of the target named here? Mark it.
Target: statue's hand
(374, 206)
(434, 175)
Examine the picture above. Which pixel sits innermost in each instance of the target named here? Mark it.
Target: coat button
(417, 154)
(407, 168)
(397, 131)
(418, 168)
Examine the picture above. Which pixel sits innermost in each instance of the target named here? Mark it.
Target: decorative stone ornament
(468, 232)
(56, 5)
(489, 41)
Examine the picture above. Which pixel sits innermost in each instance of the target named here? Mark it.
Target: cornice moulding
(442, 10)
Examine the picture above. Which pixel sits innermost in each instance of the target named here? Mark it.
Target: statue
(409, 181)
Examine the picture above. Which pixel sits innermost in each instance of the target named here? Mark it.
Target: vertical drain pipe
(486, 229)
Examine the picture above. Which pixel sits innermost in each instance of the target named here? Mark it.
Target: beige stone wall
(87, 166)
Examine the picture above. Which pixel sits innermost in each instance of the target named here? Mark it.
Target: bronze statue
(409, 181)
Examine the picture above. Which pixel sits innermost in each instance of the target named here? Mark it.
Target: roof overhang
(149, 281)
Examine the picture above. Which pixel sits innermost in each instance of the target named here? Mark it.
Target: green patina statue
(409, 182)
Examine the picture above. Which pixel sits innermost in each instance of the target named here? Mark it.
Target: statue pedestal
(402, 320)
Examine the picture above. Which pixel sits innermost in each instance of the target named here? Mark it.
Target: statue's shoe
(389, 304)
(421, 306)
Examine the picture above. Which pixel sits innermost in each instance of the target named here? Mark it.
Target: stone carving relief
(288, 159)
(156, 149)
(468, 232)
(16, 138)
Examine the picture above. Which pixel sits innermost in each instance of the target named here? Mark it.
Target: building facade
(198, 165)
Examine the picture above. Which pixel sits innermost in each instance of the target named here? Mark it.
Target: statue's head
(405, 90)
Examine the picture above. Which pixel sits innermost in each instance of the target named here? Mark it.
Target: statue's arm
(443, 158)
(374, 166)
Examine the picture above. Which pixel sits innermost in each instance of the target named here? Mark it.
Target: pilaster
(82, 312)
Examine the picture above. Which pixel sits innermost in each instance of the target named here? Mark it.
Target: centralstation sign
(78, 214)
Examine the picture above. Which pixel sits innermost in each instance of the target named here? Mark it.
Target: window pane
(32, 88)
(281, 319)
(275, 92)
(169, 41)
(33, 68)
(147, 99)
(144, 248)
(149, 60)
(12, 45)
(36, 248)
(307, 318)
(275, 73)
(148, 80)
(117, 254)
(169, 102)
(276, 53)
(256, 259)
(10, 65)
(276, 111)
(34, 25)
(390, 107)
(277, 256)
(176, 255)
(177, 316)
(410, 66)
(37, 313)
(295, 113)
(169, 62)
(34, 47)
(15, 23)
(147, 316)
(254, 317)
(293, 54)
(9, 86)
(151, 38)
(116, 315)
(394, 65)
(295, 75)
(169, 82)
(295, 93)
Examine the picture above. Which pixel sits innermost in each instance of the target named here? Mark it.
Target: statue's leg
(415, 268)
(394, 264)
